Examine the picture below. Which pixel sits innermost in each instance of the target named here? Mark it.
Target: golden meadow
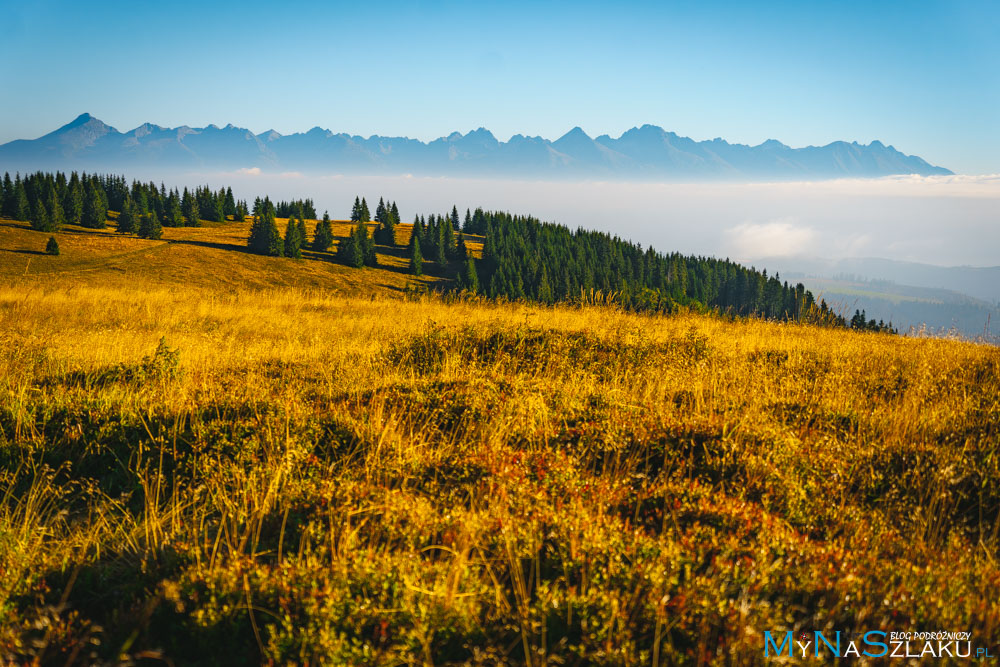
(199, 467)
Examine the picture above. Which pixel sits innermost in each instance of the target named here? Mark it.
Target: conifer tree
(416, 259)
(149, 227)
(229, 208)
(544, 288)
(467, 225)
(140, 202)
(126, 223)
(58, 219)
(95, 211)
(40, 220)
(323, 238)
(365, 215)
(448, 239)
(365, 244)
(52, 247)
(350, 251)
(441, 247)
(302, 232)
(454, 219)
(218, 210)
(172, 216)
(415, 233)
(191, 212)
(385, 233)
(19, 208)
(293, 241)
(356, 210)
(469, 279)
(265, 239)
(7, 188)
(73, 201)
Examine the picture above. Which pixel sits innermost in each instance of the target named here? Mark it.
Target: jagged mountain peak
(648, 152)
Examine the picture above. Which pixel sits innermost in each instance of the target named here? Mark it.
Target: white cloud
(777, 238)
(253, 171)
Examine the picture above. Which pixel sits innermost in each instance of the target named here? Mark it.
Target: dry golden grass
(210, 256)
(304, 475)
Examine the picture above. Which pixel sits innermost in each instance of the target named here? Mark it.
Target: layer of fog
(947, 220)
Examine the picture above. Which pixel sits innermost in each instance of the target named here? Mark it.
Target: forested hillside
(521, 257)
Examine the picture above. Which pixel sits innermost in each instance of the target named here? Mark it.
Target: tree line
(523, 258)
(49, 201)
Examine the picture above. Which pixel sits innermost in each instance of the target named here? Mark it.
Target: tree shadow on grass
(211, 244)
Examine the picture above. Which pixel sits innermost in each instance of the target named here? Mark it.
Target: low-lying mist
(942, 220)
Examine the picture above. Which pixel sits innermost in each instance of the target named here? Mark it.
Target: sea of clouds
(942, 220)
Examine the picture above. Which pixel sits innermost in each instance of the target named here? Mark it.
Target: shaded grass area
(233, 477)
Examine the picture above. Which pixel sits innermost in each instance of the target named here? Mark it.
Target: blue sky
(923, 76)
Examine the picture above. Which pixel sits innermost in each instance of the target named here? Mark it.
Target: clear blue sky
(923, 76)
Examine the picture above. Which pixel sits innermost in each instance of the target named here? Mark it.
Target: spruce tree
(544, 288)
(293, 244)
(350, 251)
(265, 239)
(385, 233)
(172, 216)
(52, 247)
(301, 226)
(441, 247)
(416, 259)
(218, 210)
(365, 245)
(55, 209)
(95, 212)
(19, 208)
(454, 219)
(73, 201)
(468, 277)
(40, 220)
(394, 212)
(7, 188)
(191, 212)
(365, 215)
(126, 223)
(149, 227)
(323, 238)
(229, 208)
(356, 210)
(415, 233)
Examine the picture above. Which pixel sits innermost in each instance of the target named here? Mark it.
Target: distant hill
(940, 298)
(647, 152)
(982, 283)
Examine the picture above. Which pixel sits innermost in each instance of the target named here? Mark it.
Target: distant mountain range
(646, 153)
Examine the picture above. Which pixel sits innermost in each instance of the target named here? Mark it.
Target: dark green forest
(49, 201)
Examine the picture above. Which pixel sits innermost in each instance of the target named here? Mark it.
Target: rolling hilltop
(647, 152)
(219, 458)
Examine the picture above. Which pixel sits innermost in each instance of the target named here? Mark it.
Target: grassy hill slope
(214, 255)
(342, 476)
